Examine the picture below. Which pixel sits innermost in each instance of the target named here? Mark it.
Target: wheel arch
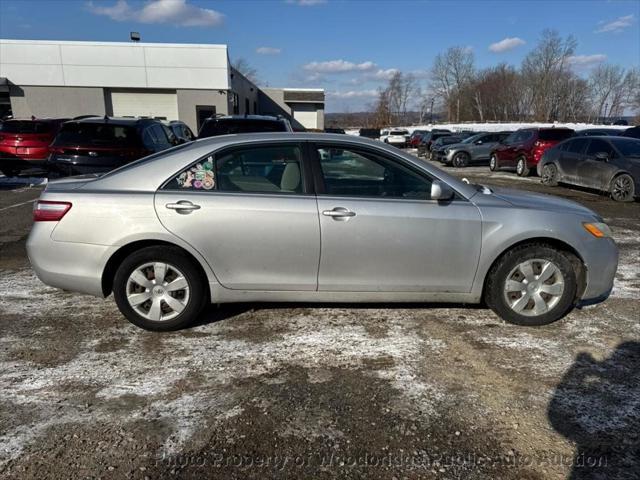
(576, 260)
(124, 251)
(615, 175)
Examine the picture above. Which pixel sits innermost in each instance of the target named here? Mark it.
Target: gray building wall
(188, 100)
(46, 102)
(246, 91)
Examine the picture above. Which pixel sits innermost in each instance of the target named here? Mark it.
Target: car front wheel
(460, 160)
(532, 285)
(493, 163)
(159, 288)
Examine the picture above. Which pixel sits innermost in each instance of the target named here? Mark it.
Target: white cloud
(307, 3)
(382, 74)
(339, 66)
(354, 94)
(506, 44)
(617, 25)
(177, 12)
(586, 61)
(268, 50)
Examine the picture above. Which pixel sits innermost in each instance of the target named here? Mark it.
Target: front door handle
(339, 212)
(182, 206)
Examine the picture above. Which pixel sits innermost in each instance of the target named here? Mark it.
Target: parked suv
(524, 148)
(414, 138)
(395, 136)
(472, 150)
(24, 144)
(225, 125)
(609, 164)
(424, 147)
(439, 145)
(100, 144)
(181, 130)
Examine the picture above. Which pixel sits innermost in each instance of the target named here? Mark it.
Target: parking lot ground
(318, 391)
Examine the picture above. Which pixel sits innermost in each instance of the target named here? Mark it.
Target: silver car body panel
(274, 247)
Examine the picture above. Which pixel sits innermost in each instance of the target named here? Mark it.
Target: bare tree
(399, 92)
(451, 73)
(245, 68)
(543, 69)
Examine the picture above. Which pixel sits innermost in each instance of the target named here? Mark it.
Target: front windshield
(472, 138)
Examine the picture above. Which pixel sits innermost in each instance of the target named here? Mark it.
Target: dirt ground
(318, 391)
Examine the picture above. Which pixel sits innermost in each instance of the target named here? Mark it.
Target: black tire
(623, 188)
(549, 174)
(493, 163)
(499, 273)
(521, 167)
(460, 160)
(175, 258)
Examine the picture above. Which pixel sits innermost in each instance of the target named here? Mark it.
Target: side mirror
(441, 191)
(602, 156)
(478, 142)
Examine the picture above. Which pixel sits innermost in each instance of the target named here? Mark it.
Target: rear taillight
(45, 211)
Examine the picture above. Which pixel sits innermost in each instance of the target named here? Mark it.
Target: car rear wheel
(623, 188)
(521, 167)
(159, 288)
(532, 285)
(550, 174)
(460, 159)
(493, 163)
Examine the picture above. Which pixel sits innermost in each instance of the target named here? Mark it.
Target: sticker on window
(200, 176)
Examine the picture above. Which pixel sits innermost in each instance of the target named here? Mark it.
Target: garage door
(145, 104)
(305, 114)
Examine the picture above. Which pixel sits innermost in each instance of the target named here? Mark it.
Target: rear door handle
(339, 212)
(182, 206)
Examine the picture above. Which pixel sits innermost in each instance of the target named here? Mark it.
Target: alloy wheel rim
(157, 291)
(534, 287)
(492, 162)
(520, 167)
(548, 172)
(459, 160)
(622, 188)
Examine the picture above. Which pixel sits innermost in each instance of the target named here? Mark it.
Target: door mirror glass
(603, 156)
(441, 191)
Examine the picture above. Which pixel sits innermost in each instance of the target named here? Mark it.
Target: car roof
(149, 175)
(124, 121)
(247, 117)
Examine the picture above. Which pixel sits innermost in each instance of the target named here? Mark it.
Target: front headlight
(598, 229)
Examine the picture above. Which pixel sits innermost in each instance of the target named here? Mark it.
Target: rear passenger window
(269, 169)
(600, 146)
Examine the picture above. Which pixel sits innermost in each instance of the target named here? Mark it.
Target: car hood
(539, 201)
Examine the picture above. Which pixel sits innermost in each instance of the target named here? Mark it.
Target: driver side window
(364, 174)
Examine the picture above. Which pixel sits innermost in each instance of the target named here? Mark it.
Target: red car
(524, 148)
(25, 144)
(414, 139)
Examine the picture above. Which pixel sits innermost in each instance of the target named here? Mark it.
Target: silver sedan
(313, 218)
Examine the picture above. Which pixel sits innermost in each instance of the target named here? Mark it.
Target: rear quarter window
(554, 135)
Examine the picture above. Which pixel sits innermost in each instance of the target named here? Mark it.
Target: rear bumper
(76, 267)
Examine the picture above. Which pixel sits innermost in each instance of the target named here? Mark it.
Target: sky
(349, 48)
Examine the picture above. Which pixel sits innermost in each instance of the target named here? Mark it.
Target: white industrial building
(187, 82)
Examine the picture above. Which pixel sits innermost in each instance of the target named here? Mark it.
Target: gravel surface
(318, 391)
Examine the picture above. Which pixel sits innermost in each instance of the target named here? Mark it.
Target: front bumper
(70, 266)
(600, 258)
